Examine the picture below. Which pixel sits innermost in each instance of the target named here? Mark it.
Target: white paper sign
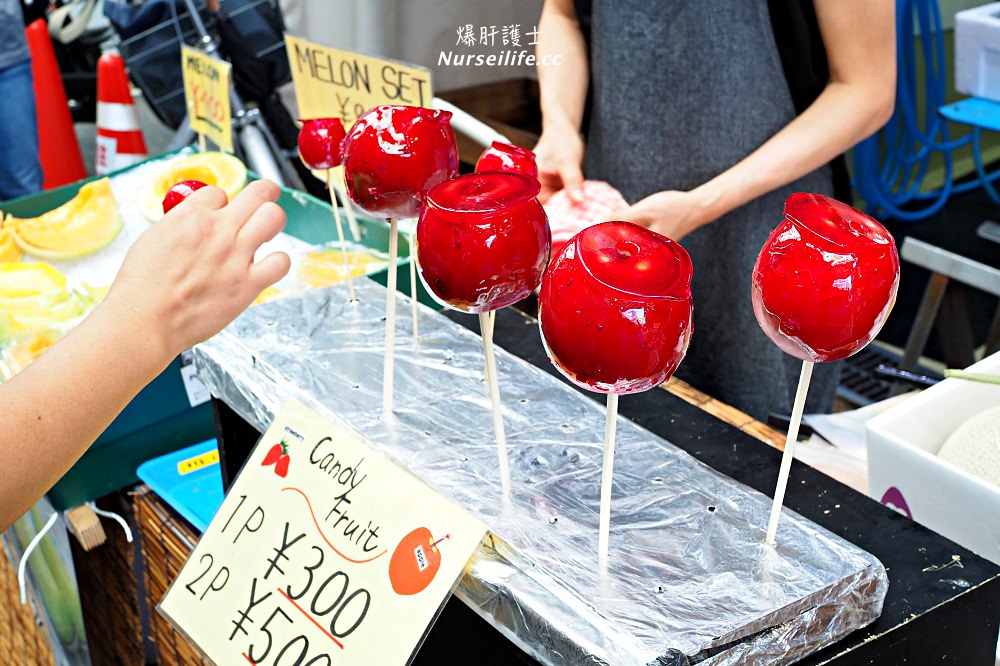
(323, 552)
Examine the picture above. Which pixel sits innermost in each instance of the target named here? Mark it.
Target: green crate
(161, 419)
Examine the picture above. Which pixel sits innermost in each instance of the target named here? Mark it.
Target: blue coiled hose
(890, 166)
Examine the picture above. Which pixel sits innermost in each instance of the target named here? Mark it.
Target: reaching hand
(559, 156)
(193, 272)
(672, 213)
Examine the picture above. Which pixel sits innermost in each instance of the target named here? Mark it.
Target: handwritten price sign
(206, 89)
(331, 83)
(323, 552)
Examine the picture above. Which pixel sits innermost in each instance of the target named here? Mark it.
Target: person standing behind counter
(707, 115)
(182, 281)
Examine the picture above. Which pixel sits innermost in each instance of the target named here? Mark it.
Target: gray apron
(682, 90)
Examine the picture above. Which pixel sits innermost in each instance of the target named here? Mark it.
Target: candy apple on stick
(180, 191)
(502, 156)
(822, 286)
(393, 156)
(615, 317)
(483, 243)
(321, 149)
(507, 157)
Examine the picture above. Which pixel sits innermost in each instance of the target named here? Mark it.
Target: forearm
(56, 407)
(841, 116)
(860, 42)
(562, 67)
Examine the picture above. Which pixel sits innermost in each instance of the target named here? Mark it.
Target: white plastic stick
(488, 333)
(607, 473)
(413, 285)
(390, 319)
(788, 453)
(491, 370)
(352, 221)
(340, 233)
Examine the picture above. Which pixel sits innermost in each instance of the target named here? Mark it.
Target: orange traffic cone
(58, 149)
(119, 139)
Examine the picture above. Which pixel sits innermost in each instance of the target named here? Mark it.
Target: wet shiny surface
(321, 143)
(394, 154)
(688, 570)
(482, 241)
(825, 280)
(615, 308)
(502, 156)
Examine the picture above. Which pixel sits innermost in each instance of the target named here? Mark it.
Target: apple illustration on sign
(415, 562)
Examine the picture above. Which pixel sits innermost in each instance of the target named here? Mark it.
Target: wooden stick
(202, 146)
(788, 453)
(491, 369)
(352, 221)
(390, 319)
(340, 233)
(413, 285)
(607, 473)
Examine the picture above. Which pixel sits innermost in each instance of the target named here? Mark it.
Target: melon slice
(81, 226)
(326, 267)
(34, 295)
(9, 251)
(213, 167)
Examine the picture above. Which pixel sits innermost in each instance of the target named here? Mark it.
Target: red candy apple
(321, 143)
(825, 280)
(502, 156)
(394, 155)
(483, 240)
(615, 308)
(180, 191)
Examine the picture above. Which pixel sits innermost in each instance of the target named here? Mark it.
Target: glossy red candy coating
(394, 154)
(321, 143)
(502, 156)
(825, 280)
(615, 308)
(180, 191)
(483, 240)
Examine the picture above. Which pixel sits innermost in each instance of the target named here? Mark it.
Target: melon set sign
(206, 92)
(328, 83)
(322, 550)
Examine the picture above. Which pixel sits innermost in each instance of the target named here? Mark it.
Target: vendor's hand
(672, 213)
(193, 272)
(559, 155)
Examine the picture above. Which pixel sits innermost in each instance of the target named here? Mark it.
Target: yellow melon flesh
(213, 168)
(9, 251)
(81, 226)
(35, 295)
(325, 268)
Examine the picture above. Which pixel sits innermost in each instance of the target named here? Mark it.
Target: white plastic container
(905, 472)
(977, 51)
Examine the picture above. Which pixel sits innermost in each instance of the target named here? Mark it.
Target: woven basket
(167, 540)
(22, 640)
(109, 592)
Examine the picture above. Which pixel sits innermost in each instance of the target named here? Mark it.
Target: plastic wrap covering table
(689, 575)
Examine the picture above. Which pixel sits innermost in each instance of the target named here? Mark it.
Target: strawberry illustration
(275, 453)
(281, 467)
(278, 456)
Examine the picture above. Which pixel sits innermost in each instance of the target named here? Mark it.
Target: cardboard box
(905, 472)
(977, 51)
